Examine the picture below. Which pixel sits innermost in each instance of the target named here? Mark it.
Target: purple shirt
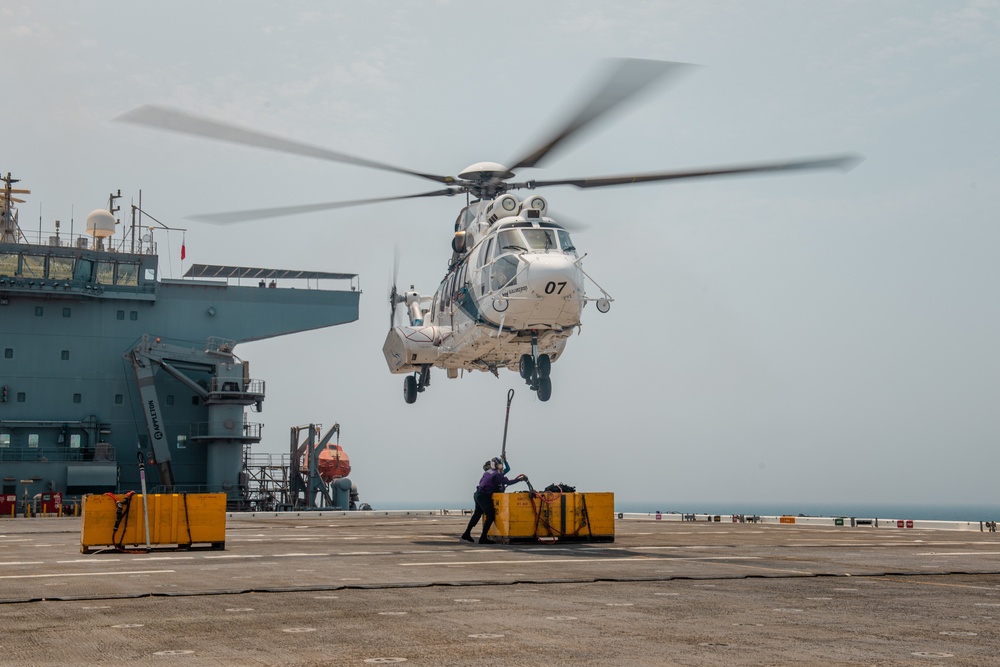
(493, 481)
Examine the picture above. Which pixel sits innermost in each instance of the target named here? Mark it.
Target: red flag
(184, 253)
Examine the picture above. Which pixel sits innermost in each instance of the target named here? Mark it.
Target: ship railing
(57, 239)
(237, 387)
(266, 460)
(217, 345)
(208, 430)
(54, 454)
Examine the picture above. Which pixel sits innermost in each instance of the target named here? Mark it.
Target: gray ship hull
(72, 411)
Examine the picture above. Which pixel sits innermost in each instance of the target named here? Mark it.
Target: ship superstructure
(102, 357)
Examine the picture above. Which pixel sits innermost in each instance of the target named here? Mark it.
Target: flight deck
(357, 588)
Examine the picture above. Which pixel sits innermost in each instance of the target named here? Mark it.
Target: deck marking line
(297, 555)
(537, 561)
(930, 583)
(24, 562)
(83, 574)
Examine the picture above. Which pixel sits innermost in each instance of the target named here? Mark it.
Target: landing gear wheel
(410, 389)
(544, 365)
(527, 366)
(544, 390)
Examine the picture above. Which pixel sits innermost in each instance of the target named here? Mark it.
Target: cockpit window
(540, 239)
(533, 239)
(510, 240)
(566, 243)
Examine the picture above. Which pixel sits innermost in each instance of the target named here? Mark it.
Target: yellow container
(550, 516)
(181, 519)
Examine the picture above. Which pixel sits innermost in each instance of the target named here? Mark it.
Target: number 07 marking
(552, 287)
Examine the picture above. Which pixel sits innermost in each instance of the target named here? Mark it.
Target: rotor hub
(486, 171)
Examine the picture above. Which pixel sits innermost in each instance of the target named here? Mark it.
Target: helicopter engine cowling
(533, 203)
(503, 206)
(408, 348)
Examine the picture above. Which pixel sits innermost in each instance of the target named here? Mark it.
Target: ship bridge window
(61, 268)
(105, 273)
(74, 441)
(84, 270)
(4, 440)
(32, 266)
(33, 440)
(8, 264)
(128, 275)
(149, 275)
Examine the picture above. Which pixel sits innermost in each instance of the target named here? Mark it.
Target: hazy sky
(811, 337)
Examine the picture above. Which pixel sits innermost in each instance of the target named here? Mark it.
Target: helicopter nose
(552, 275)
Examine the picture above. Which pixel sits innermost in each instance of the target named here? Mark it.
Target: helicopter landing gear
(544, 389)
(543, 366)
(410, 389)
(535, 369)
(527, 367)
(416, 383)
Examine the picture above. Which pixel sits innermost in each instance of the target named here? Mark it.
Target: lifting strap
(121, 517)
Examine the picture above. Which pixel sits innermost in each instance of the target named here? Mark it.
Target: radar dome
(100, 223)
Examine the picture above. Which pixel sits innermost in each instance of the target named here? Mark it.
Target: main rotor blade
(843, 162)
(262, 213)
(626, 79)
(178, 121)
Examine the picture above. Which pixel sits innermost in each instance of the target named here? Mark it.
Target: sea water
(881, 510)
(928, 512)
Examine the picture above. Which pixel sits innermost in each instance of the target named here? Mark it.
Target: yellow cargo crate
(551, 516)
(177, 519)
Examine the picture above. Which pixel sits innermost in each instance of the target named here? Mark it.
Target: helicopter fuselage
(514, 289)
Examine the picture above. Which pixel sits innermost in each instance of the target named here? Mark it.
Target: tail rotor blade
(393, 291)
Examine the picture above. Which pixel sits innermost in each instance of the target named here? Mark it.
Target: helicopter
(515, 289)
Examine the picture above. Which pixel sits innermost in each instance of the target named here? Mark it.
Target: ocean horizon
(924, 511)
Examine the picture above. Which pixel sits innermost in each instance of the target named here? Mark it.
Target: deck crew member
(492, 481)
